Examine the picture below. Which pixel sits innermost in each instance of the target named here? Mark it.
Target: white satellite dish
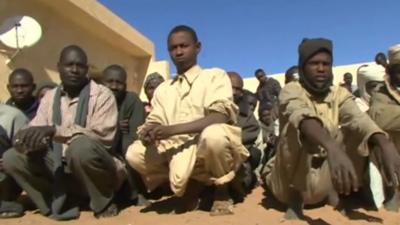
(20, 31)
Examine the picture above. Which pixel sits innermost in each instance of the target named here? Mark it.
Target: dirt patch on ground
(253, 211)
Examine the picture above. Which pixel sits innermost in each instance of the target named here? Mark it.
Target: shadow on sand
(269, 202)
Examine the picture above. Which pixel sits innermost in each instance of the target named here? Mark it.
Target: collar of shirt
(94, 90)
(193, 73)
(32, 107)
(327, 99)
(190, 75)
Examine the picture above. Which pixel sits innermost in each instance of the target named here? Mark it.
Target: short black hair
(184, 28)
(381, 59)
(258, 70)
(76, 48)
(49, 85)
(380, 54)
(20, 71)
(115, 67)
(347, 73)
(265, 106)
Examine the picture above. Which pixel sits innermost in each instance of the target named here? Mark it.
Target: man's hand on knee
(343, 174)
(33, 138)
(145, 134)
(391, 164)
(390, 158)
(160, 132)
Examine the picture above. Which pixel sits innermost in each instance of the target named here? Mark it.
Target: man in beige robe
(385, 103)
(385, 106)
(311, 160)
(188, 138)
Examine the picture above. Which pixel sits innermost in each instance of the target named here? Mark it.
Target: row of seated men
(88, 146)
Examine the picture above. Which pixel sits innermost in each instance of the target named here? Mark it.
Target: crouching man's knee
(135, 156)
(214, 139)
(12, 161)
(81, 151)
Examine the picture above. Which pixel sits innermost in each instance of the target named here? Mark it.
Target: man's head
(151, 83)
(114, 77)
(348, 78)
(73, 68)
(43, 89)
(393, 68)
(237, 86)
(368, 79)
(183, 47)
(267, 113)
(380, 59)
(251, 99)
(315, 65)
(21, 86)
(260, 75)
(292, 74)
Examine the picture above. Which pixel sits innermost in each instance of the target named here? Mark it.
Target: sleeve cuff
(225, 107)
(364, 147)
(299, 115)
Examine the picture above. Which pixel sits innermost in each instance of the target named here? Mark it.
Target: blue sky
(239, 35)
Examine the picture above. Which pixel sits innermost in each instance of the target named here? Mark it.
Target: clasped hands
(33, 138)
(153, 133)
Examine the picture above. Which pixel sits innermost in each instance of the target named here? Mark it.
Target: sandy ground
(252, 212)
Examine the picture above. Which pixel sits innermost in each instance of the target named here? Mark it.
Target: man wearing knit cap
(385, 106)
(312, 162)
(150, 84)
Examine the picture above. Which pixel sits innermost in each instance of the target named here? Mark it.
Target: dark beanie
(309, 47)
(153, 76)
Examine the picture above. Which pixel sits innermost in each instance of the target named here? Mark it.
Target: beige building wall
(338, 71)
(105, 37)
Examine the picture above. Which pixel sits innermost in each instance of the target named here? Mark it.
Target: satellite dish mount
(19, 32)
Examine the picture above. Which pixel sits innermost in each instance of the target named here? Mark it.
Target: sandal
(109, 211)
(10, 210)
